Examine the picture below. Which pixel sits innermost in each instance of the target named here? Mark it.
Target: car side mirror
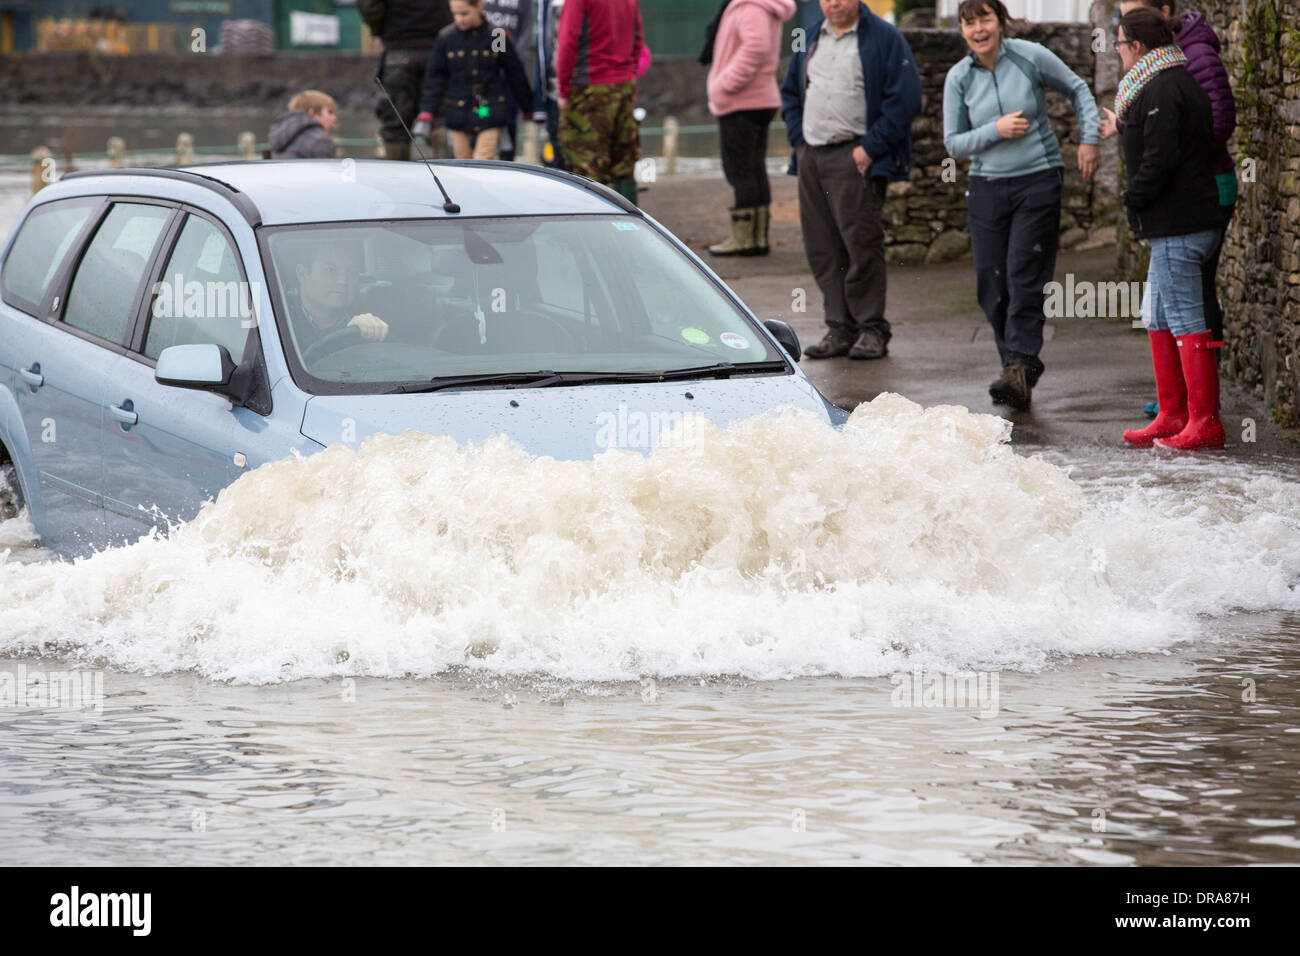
(782, 332)
(207, 367)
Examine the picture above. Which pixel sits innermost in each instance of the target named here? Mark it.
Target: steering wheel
(331, 342)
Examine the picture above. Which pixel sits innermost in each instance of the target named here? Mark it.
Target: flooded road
(1145, 759)
(1136, 639)
(418, 656)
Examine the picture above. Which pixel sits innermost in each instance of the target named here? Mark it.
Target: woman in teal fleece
(995, 111)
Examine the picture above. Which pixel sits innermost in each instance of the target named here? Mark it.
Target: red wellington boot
(1201, 373)
(1171, 393)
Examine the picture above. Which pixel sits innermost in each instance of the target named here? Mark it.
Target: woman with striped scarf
(1173, 203)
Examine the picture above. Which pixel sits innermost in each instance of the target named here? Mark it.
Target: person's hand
(423, 126)
(1089, 160)
(861, 159)
(1013, 125)
(562, 102)
(371, 327)
(1109, 127)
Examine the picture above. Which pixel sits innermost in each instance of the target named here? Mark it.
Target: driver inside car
(328, 275)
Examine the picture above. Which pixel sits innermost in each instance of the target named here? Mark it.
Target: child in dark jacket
(470, 70)
(305, 131)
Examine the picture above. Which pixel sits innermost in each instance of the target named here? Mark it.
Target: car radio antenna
(448, 205)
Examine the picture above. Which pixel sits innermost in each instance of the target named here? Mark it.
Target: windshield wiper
(545, 379)
(520, 379)
(717, 370)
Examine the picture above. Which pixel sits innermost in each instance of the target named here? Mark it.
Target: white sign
(313, 29)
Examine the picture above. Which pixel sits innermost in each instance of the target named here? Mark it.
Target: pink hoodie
(745, 56)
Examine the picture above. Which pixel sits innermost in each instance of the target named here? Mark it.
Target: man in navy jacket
(848, 103)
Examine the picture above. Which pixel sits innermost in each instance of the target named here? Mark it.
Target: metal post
(531, 151)
(670, 145)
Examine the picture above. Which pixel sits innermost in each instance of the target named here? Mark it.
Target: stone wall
(199, 80)
(203, 80)
(1259, 274)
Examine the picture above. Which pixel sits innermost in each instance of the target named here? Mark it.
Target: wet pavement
(1098, 370)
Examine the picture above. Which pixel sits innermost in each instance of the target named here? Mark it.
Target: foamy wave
(778, 547)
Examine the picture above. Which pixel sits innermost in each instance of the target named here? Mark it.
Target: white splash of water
(776, 548)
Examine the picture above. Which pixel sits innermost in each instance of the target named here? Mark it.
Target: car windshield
(363, 305)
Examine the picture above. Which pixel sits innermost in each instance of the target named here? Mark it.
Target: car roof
(281, 192)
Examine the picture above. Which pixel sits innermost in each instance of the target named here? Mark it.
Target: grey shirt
(835, 103)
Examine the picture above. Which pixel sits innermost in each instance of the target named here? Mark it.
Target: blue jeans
(1173, 299)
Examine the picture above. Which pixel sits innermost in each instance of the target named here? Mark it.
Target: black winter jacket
(1168, 158)
(466, 81)
(297, 136)
(406, 24)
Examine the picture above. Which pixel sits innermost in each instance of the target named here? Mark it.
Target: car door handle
(32, 376)
(124, 413)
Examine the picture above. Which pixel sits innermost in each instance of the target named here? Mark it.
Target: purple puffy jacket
(1200, 44)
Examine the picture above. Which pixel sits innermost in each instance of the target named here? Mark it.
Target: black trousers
(743, 136)
(1014, 231)
(839, 212)
(1209, 281)
(403, 77)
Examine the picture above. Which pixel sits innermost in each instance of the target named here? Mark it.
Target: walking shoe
(1012, 387)
(871, 344)
(1033, 372)
(835, 342)
(762, 217)
(1201, 375)
(1171, 393)
(741, 243)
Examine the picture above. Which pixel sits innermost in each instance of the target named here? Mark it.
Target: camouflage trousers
(598, 134)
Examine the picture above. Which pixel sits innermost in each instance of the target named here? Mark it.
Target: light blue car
(163, 331)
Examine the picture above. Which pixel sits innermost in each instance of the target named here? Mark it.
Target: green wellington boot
(741, 243)
(762, 217)
(627, 189)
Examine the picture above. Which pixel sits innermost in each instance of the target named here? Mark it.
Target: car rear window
(103, 292)
(42, 244)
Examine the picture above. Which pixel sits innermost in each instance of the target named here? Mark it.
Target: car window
(201, 296)
(39, 248)
(103, 290)
(413, 301)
